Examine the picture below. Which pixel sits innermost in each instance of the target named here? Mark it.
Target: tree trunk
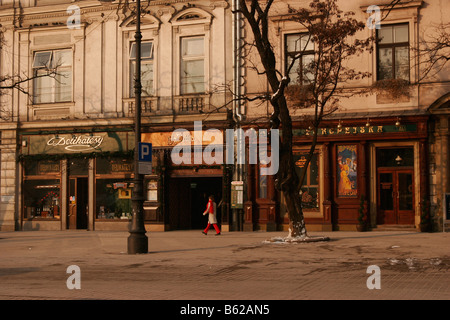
(287, 179)
(297, 226)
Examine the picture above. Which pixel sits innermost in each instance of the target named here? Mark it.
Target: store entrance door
(395, 196)
(78, 203)
(188, 197)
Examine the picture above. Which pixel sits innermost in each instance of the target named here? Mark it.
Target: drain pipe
(239, 154)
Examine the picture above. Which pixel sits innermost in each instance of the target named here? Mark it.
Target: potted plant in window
(425, 223)
(362, 218)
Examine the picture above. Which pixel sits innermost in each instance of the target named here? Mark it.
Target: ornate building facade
(67, 136)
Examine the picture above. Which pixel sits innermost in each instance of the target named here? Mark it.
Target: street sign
(145, 152)
(145, 158)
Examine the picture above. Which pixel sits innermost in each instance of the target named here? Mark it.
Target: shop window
(310, 189)
(56, 87)
(393, 52)
(42, 189)
(41, 198)
(152, 190)
(301, 48)
(262, 187)
(192, 65)
(146, 68)
(113, 188)
(113, 198)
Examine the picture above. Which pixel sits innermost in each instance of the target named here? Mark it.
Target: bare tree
(318, 89)
(434, 52)
(19, 82)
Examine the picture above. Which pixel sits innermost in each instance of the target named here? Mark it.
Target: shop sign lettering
(76, 143)
(358, 130)
(346, 130)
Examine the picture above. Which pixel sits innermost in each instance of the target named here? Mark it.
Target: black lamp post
(137, 240)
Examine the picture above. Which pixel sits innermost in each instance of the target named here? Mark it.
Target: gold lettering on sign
(48, 167)
(121, 167)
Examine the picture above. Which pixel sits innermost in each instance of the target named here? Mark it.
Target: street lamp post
(137, 240)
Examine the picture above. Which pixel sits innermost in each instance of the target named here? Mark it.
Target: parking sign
(145, 158)
(145, 152)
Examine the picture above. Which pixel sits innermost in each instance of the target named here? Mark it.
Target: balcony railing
(173, 105)
(148, 105)
(190, 103)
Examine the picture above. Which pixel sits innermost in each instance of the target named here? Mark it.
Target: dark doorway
(78, 203)
(187, 201)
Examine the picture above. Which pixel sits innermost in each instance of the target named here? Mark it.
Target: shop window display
(310, 188)
(113, 198)
(42, 199)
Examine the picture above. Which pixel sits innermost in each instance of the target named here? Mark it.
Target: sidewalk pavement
(186, 265)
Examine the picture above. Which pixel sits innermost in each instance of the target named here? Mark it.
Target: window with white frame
(299, 47)
(52, 72)
(192, 71)
(146, 68)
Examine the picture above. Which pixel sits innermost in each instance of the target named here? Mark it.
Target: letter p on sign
(145, 151)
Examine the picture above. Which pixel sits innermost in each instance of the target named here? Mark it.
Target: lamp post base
(137, 243)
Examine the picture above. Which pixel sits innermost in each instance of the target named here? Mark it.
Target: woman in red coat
(211, 208)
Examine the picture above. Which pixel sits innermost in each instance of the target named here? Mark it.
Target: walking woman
(211, 208)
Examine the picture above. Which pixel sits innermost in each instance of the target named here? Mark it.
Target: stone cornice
(34, 15)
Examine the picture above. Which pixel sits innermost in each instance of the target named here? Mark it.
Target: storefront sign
(78, 143)
(120, 166)
(48, 167)
(170, 139)
(358, 130)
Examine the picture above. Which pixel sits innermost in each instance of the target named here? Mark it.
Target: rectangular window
(310, 189)
(300, 47)
(113, 188)
(263, 186)
(42, 189)
(113, 198)
(393, 52)
(146, 68)
(192, 69)
(56, 87)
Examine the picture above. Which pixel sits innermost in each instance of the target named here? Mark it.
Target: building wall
(430, 148)
(101, 90)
